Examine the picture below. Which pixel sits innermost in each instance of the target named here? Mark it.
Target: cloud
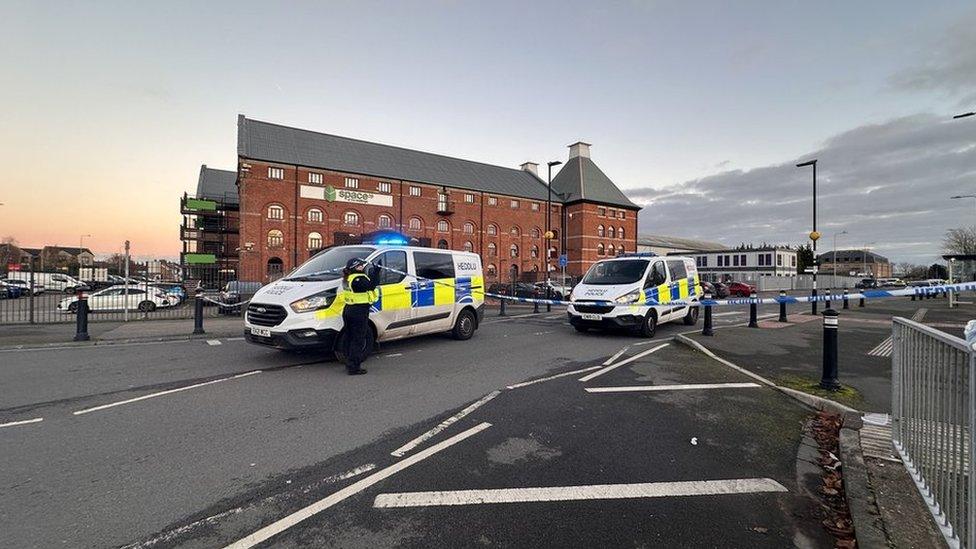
(887, 183)
(947, 65)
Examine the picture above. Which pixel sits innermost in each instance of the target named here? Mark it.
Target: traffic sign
(563, 260)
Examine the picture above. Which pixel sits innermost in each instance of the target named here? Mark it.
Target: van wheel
(339, 348)
(147, 306)
(464, 326)
(649, 326)
(692, 317)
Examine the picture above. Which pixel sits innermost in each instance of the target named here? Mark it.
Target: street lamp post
(835, 256)
(814, 235)
(964, 115)
(549, 225)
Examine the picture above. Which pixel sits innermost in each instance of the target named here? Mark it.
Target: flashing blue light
(638, 254)
(391, 241)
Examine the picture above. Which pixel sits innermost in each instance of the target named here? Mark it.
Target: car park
(58, 282)
(120, 298)
(235, 293)
(173, 290)
(556, 291)
(717, 289)
(740, 289)
(24, 286)
(632, 292)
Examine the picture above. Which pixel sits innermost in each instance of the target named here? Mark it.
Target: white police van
(632, 291)
(427, 291)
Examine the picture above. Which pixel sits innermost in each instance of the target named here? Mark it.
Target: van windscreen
(616, 272)
(328, 265)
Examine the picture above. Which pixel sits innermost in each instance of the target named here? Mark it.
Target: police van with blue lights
(421, 291)
(632, 291)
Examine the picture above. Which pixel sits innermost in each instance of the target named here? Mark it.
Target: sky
(696, 110)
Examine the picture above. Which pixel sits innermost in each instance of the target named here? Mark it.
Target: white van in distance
(627, 287)
(50, 282)
(304, 309)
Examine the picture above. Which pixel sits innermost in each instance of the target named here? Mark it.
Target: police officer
(359, 293)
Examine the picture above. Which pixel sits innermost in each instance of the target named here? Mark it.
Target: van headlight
(630, 297)
(314, 302)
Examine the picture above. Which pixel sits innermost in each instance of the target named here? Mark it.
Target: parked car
(58, 282)
(173, 290)
(556, 291)
(717, 289)
(866, 284)
(24, 286)
(740, 289)
(120, 298)
(9, 291)
(235, 292)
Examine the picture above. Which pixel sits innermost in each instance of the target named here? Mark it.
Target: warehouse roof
(679, 243)
(217, 185)
(581, 179)
(269, 142)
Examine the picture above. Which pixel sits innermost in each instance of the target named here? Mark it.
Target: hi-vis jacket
(352, 297)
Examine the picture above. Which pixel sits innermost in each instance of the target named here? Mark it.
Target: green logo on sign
(330, 193)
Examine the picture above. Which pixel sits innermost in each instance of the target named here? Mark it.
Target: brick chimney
(531, 167)
(579, 149)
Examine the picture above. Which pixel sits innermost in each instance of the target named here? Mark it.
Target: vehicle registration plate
(261, 332)
(591, 316)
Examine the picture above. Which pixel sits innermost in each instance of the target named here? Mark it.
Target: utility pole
(814, 235)
(125, 301)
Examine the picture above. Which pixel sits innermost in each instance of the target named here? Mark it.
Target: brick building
(210, 227)
(301, 191)
(855, 263)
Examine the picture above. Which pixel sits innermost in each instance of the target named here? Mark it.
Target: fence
(933, 405)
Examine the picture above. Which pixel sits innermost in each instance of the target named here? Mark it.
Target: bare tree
(960, 241)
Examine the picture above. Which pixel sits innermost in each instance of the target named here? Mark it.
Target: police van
(632, 291)
(423, 291)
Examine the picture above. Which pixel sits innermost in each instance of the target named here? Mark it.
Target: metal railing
(933, 399)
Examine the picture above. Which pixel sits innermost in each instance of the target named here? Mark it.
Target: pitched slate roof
(217, 185)
(678, 243)
(581, 179)
(258, 140)
(69, 249)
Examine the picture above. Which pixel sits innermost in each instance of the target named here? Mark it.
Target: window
(468, 198)
(492, 201)
(534, 252)
(601, 231)
(601, 211)
(535, 232)
(468, 227)
(599, 249)
(384, 222)
(728, 261)
(275, 267)
(442, 244)
(442, 226)
(720, 261)
(735, 260)
(315, 178)
(415, 224)
(610, 232)
(492, 270)
(394, 259)
(620, 250)
(352, 183)
(414, 191)
(492, 229)
(442, 202)
(276, 212)
(516, 231)
(351, 218)
(762, 259)
(384, 187)
(792, 261)
(514, 250)
(704, 261)
(620, 233)
(515, 204)
(314, 241)
(611, 212)
(492, 249)
(315, 215)
(468, 246)
(433, 265)
(779, 260)
(743, 259)
(276, 173)
(769, 260)
(535, 206)
(678, 270)
(657, 275)
(275, 238)
(622, 214)
(610, 250)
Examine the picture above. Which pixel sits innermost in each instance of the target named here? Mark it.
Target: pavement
(205, 442)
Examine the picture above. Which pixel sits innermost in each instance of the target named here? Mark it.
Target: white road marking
(401, 451)
(161, 393)
(610, 360)
(555, 316)
(670, 387)
(291, 520)
(578, 493)
(394, 355)
(542, 333)
(883, 349)
(24, 422)
(648, 342)
(730, 313)
(599, 373)
(540, 380)
(235, 339)
(213, 342)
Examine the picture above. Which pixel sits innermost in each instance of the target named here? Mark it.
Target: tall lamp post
(814, 235)
(549, 225)
(834, 258)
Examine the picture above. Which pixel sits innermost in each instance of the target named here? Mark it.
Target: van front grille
(598, 309)
(265, 315)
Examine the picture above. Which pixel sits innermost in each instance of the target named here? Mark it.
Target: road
(139, 443)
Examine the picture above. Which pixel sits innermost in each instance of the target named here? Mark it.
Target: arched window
(442, 226)
(276, 238)
(492, 270)
(600, 231)
(415, 224)
(384, 222)
(351, 218)
(513, 250)
(276, 212)
(534, 252)
(535, 232)
(620, 250)
(275, 268)
(610, 231)
(468, 246)
(610, 250)
(599, 249)
(315, 215)
(492, 249)
(516, 231)
(468, 227)
(492, 229)
(442, 244)
(314, 241)
(620, 232)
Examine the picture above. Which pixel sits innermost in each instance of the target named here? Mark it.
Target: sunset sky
(111, 107)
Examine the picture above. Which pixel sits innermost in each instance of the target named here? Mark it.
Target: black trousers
(356, 321)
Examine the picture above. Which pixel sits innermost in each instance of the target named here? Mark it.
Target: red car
(740, 289)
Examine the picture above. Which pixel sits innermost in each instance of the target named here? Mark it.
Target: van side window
(678, 270)
(434, 265)
(656, 277)
(394, 259)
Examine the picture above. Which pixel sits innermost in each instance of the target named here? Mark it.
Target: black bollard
(501, 306)
(847, 303)
(782, 306)
(707, 328)
(828, 379)
(535, 303)
(860, 302)
(753, 312)
(827, 295)
(81, 322)
(813, 300)
(548, 297)
(198, 312)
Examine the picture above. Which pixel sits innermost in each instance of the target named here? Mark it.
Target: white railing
(933, 383)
